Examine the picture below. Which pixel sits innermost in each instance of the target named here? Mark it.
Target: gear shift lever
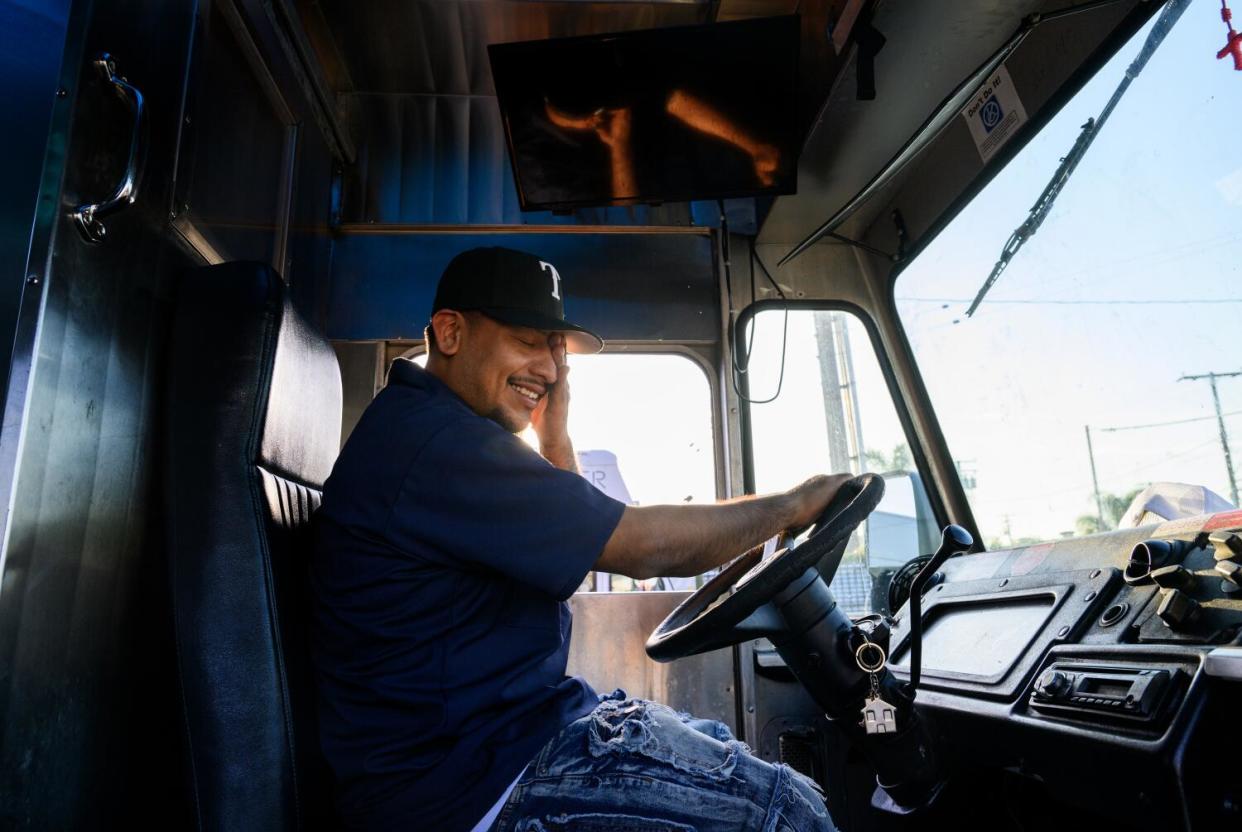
(954, 540)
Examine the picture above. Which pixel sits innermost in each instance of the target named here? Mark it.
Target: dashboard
(1105, 669)
(1092, 665)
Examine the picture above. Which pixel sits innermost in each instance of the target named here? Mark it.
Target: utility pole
(1095, 483)
(1220, 421)
(836, 384)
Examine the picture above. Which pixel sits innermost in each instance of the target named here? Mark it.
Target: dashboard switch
(1172, 577)
(1230, 570)
(1177, 609)
(1227, 545)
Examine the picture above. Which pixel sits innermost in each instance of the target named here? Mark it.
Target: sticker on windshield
(994, 114)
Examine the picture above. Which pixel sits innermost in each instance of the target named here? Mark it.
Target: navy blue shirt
(445, 549)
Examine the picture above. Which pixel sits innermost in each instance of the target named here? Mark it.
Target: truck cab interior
(225, 219)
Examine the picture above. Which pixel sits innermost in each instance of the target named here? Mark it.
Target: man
(445, 551)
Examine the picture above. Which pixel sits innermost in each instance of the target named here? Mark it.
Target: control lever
(954, 540)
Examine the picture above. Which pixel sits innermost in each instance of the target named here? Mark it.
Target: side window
(830, 410)
(642, 426)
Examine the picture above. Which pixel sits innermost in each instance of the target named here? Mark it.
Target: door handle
(89, 217)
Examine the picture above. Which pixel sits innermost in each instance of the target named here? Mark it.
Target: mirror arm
(953, 541)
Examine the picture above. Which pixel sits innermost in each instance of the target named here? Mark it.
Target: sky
(1134, 280)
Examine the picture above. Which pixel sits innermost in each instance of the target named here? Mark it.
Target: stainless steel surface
(34, 38)
(626, 287)
(607, 649)
(1224, 663)
(931, 48)
(945, 114)
(89, 217)
(88, 721)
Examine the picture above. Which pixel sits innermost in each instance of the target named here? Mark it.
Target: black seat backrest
(253, 427)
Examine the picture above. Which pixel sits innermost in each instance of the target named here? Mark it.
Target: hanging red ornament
(1233, 46)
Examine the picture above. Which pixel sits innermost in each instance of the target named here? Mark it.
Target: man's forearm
(689, 540)
(561, 455)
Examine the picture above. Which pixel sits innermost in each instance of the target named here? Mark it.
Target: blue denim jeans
(637, 766)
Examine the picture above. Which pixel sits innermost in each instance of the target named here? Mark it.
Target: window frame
(696, 357)
(900, 405)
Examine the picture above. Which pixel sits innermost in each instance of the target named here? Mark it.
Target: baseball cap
(513, 287)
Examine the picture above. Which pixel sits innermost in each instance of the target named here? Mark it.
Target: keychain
(878, 716)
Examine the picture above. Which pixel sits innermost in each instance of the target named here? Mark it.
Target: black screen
(980, 639)
(696, 112)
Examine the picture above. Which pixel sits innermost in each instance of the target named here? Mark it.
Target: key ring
(872, 667)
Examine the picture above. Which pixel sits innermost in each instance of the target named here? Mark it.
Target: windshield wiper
(1039, 211)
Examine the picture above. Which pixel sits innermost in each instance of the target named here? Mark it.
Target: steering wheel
(733, 606)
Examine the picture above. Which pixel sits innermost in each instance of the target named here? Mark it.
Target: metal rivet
(1090, 596)
(750, 709)
(1063, 632)
(1004, 582)
(62, 92)
(1095, 574)
(32, 279)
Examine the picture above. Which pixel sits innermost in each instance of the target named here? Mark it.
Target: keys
(878, 716)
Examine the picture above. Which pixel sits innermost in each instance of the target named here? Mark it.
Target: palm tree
(898, 460)
(1112, 506)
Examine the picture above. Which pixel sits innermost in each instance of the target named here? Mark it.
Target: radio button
(1053, 684)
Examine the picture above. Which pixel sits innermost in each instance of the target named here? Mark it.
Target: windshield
(1084, 376)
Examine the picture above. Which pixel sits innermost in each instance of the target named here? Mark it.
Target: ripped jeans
(637, 766)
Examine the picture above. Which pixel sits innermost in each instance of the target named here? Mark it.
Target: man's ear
(449, 326)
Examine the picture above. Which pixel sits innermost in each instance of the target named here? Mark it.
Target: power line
(1166, 424)
(1094, 302)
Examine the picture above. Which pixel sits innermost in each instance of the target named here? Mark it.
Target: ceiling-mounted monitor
(662, 115)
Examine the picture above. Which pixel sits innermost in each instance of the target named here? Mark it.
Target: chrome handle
(89, 217)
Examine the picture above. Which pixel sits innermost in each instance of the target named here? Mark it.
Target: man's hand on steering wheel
(812, 497)
(719, 613)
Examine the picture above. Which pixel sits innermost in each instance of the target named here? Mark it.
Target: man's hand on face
(550, 419)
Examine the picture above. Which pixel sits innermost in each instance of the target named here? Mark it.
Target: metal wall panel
(442, 159)
(608, 650)
(421, 102)
(88, 718)
(440, 46)
(627, 287)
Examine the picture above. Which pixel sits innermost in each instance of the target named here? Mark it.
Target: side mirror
(901, 527)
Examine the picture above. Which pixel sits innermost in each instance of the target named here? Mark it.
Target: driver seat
(253, 426)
